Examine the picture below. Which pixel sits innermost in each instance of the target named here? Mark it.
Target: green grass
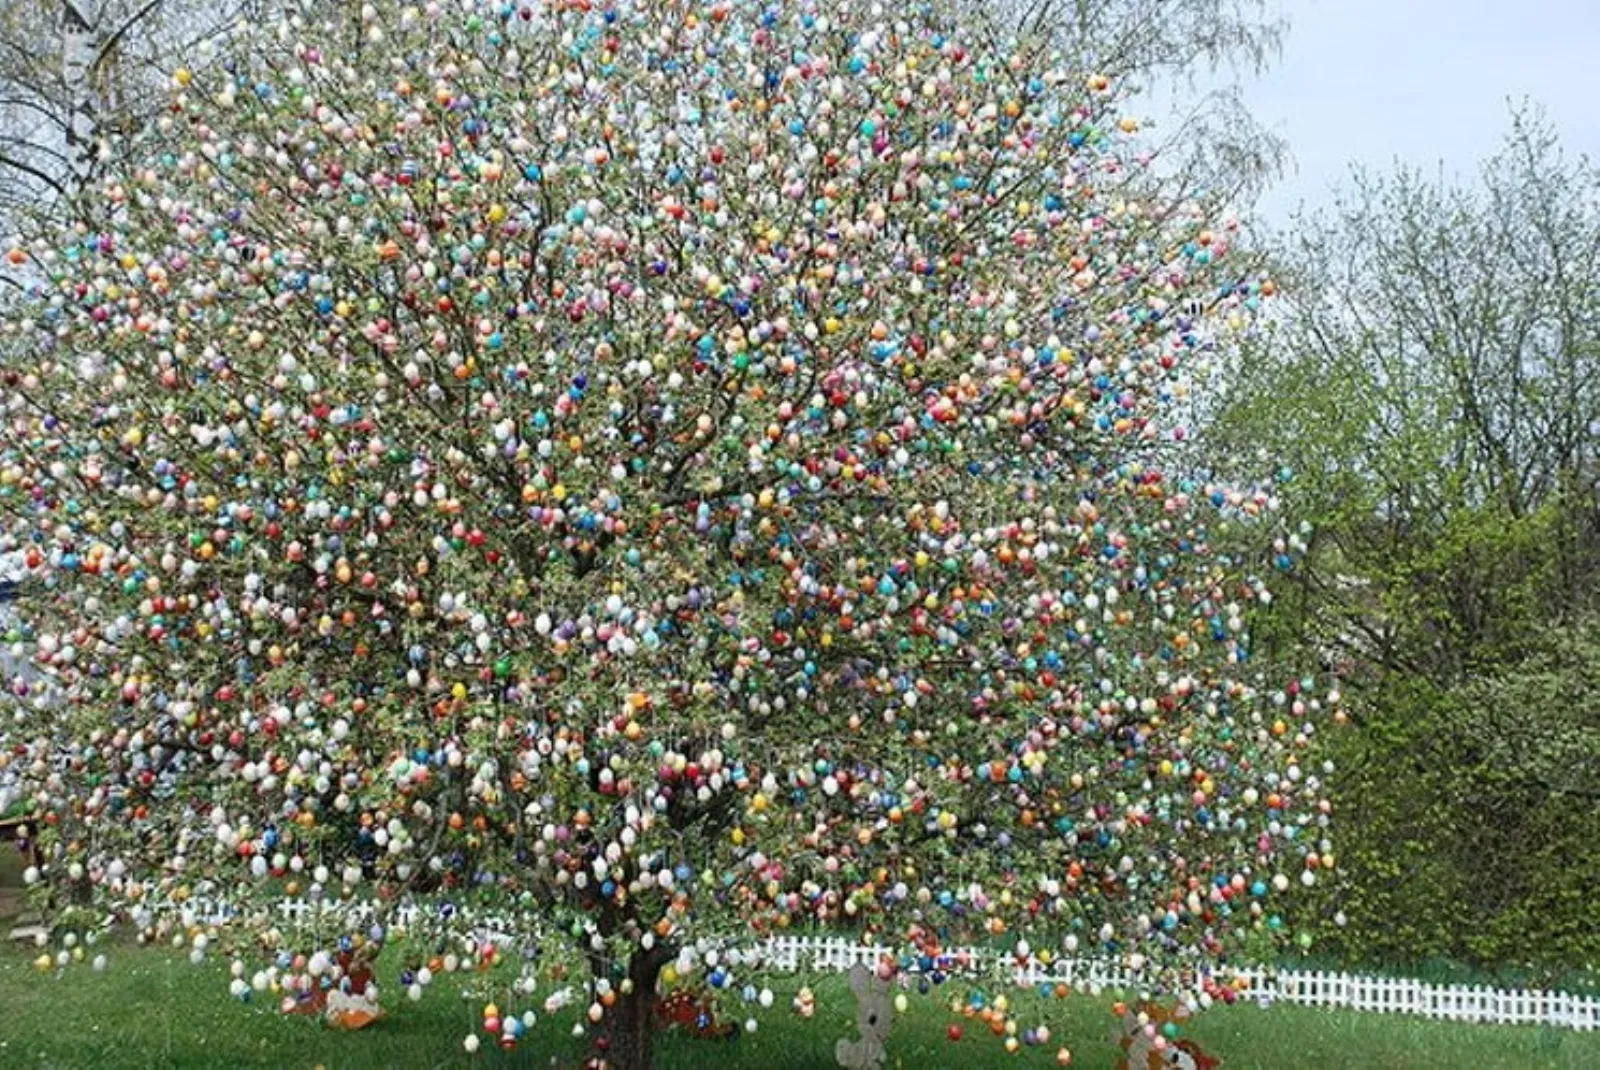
(11, 866)
(153, 1009)
(11, 894)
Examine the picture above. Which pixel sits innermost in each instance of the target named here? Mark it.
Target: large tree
(679, 469)
(1432, 382)
(1436, 359)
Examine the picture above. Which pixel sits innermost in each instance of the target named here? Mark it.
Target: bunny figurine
(873, 1019)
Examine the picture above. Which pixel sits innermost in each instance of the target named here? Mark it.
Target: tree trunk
(627, 1033)
(83, 120)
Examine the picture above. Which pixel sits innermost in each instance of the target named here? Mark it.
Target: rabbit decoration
(874, 1016)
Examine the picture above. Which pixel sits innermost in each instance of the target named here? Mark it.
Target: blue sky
(1423, 81)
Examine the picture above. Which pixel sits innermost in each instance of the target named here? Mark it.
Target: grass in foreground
(152, 1009)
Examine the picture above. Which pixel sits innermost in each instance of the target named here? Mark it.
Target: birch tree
(76, 78)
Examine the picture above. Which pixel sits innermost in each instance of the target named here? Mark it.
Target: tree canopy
(677, 470)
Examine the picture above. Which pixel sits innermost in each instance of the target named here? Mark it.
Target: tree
(77, 77)
(679, 471)
(1175, 49)
(1435, 358)
(1430, 381)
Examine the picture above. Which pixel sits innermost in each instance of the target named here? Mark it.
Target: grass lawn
(152, 1009)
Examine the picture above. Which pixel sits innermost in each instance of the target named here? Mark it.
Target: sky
(1423, 81)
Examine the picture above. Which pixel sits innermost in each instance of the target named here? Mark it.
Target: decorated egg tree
(675, 471)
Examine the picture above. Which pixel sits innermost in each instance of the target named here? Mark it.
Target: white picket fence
(1308, 988)
(830, 954)
(303, 914)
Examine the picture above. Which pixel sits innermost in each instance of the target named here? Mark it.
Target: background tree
(1172, 55)
(1432, 383)
(677, 471)
(77, 77)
